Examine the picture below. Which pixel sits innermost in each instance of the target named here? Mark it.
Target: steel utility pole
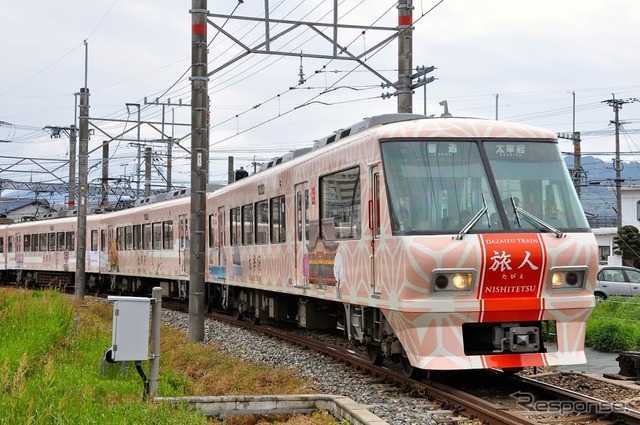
(405, 56)
(199, 166)
(616, 104)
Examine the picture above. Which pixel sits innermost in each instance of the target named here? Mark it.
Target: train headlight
(568, 278)
(452, 280)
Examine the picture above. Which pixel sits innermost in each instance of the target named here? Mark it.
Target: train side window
(167, 234)
(147, 240)
(137, 237)
(60, 236)
(10, 244)
(120, 238)
(157, 235)
(1, 244)
(340, 208)
(262, 222)
(128, 238)
(278, 234)
(235, 226)
(94, 240)
(247, 224)
(70, 241)
(35, 247)
(43, 241)
(27, 243)
(52, 241)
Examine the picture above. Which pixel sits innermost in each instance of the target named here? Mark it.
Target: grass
(50, 370)
(614, 325)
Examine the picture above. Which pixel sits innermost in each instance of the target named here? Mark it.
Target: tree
(627, 244)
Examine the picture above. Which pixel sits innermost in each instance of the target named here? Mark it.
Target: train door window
(70, 241)
(10, 244)
(306, 214)
(147, 240)
(235, 226)
(52, 241)
(167, 234)
(221, 226)
(120, 238)
(375, 214)
(128, 238)
(60, 236)
(103, 240)
(299, 215)
(157, 235)
(1, 244)
(262, 222)
(247, 224)
(277, 220)
(27, 243)
(43, 241)
(212, 230)
(184, 232)
(94, 240)
(340, 204)
(137, 237)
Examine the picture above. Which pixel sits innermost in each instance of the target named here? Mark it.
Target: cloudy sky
(524, 61)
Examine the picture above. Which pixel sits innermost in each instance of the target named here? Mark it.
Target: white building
(630, 199)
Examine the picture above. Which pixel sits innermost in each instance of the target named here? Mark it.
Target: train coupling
(516, 339)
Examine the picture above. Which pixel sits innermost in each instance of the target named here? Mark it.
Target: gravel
(329, 376)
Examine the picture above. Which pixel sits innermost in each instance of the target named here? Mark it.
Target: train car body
(440, 243)
(4, 223)
(42, 253)
(146, 246)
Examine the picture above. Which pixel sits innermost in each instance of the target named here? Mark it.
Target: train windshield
(439, 186)
(534, 177)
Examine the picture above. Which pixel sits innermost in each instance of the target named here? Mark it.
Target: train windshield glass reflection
(436, 186)
(537, 179)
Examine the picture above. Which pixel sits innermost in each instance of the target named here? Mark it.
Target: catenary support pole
(199, 166)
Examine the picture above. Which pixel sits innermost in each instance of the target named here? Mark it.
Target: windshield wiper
(474, 219)
(532, 219)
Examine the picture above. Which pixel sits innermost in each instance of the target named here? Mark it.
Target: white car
(617, 280)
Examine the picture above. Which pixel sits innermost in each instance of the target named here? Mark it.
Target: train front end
(490, 262)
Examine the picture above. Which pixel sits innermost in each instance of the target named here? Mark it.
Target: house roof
(8, 205)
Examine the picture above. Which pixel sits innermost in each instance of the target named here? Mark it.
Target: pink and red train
(438, 243)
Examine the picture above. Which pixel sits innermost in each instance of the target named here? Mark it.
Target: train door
(17, 248)
(183, 243)
(374, 227)
(302, 234)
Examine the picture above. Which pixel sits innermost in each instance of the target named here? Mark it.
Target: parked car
(617, 280)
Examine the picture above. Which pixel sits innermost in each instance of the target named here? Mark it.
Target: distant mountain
(597, 192)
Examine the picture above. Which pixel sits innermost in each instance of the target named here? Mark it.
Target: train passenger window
(278, 234)
(167, 234)
(137, 237)
(340, 208)
(52, 241)
(262, 222)
(43, 241)
(147, 240)
(247, 224)
(235, 226)
(157, 235)
(120, 238)
(61, 241)
(27, 243)
(35, 247)
(94, 240)
(128, 238)
(70, 241)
